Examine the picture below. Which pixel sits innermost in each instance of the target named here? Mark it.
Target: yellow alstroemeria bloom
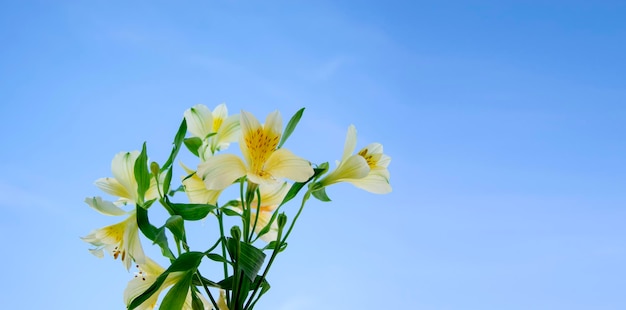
(147, 275)
(271, 196)
(201, 122)
(366, 169)
(196, 190)
(123, 183)
(121, 239)
(263, 164)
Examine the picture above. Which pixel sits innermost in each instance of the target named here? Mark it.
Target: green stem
(246, 211)
(258, 210)
(221, 223)
(277, 248)
(206, 289)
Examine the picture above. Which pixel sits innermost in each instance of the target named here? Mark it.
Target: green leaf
(293, 122)
(178, 140)
(180, 188)
(186, 261)
(265, 286)
(218, 258)
(156, 235)
(206, 281)
(167, 181)
(321, 194)
(191, 211)
(142, 174)
(250, 259)
(227, 283)
(193, 144)
(296, 187)
(230, 212)
(273, 244)
(175, 297)
(176, 225)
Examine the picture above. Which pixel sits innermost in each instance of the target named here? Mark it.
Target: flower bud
(235, 232)
(154, 168)
(281, 220)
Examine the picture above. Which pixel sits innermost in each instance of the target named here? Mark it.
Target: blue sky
(504, 121)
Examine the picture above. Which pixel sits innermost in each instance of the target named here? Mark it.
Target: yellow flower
(196, 190)
(366, 170)
(121, 239)
(147, 275)
(201, 122)
(264, 163)
(123, 183)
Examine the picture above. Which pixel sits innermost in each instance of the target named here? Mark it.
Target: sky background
(505, 122)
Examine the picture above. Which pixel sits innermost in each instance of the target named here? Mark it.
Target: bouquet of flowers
(266, 177)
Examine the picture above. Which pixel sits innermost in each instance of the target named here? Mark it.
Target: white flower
(121, 239)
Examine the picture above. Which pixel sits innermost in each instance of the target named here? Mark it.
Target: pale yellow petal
(249, 128)
(199, 120)
(112, 187)
(263, 220)
(136, 287)
(355, 167)
(221, 171)
(272, 195)
(384, 161)
(227, 133)
(133, 246)
(373, 148)
(123, 168)
(376, 182)
(274, 124)
(196, 190)
(104, 207)
(284, 164)
(350, 143)
(249, 123)
(198, 193)
(219, 115)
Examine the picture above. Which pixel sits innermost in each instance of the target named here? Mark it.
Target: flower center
(261, 145)
(372, 159)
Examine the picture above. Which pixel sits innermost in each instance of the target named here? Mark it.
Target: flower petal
(196, 190)
(283, 163)
(272, 195)
(350, 143)
(263, 220)
(104, 207)
(123, 168)
(199, 120)
(376, 182)
(133, 244)
(228, 132)
(112, 187)
(355, 167)
(219, 115)
(97, 252)
(221, 171)
(273, 124)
